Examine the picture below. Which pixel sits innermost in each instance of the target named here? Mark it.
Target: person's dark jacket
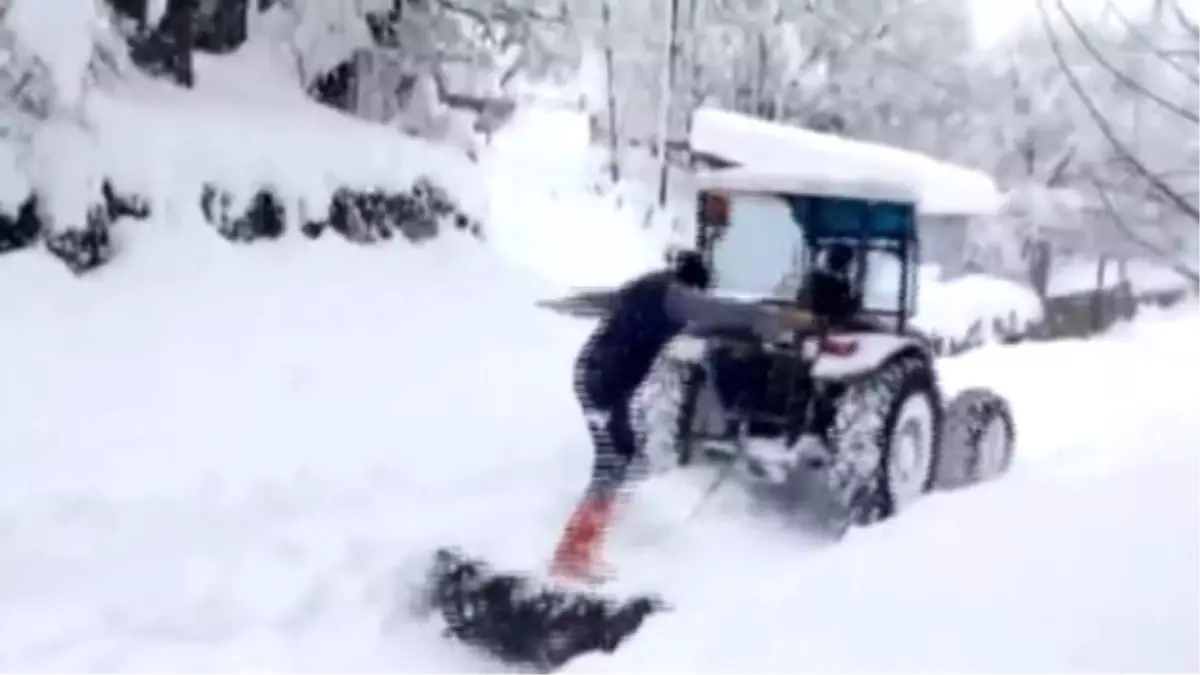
(645, 314)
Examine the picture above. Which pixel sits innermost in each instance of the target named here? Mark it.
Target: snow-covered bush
(21, 227)
(84, 245)
(86, 141)
(974, 310)
(361, 216)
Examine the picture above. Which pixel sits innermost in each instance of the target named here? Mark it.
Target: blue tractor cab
(763, 234)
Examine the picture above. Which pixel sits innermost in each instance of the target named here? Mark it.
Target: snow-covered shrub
(84, 248)
(163, 46)
(88, 245)
(974, 310)
(69, 136)
(52, 55)
(1005, 329)
(417, 215)
(361, 216)
(122, 205)
(163, 53)
(20, 229)
(262, 218)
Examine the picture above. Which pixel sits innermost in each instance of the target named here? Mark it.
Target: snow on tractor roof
(754, 179)
(941, 188)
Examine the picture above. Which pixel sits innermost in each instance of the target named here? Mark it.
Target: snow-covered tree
(1142, 103)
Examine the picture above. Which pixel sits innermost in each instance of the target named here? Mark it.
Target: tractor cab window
(882, 283)
(759, 250)
(883, 272)
(764, 245)
(879, 232)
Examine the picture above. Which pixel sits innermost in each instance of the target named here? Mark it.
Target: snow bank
(165, 143)
(547, 211)
(235, 152)
(943, 188)
(976, 309)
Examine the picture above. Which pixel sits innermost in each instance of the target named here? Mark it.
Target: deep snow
(216, 457)
(1084, 559)
(221, 457)
(229, 458)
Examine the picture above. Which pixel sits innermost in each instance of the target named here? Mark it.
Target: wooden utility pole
(664, 110)
(694, 74)
(614, 146)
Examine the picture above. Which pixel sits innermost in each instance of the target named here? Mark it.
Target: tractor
(841, 425)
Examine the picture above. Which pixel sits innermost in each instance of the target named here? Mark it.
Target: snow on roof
(942, 188)
(754, 179)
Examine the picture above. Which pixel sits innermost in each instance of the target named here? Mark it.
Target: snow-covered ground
(227, 458)
(1085, 559)
(216, 457)
(221, 457)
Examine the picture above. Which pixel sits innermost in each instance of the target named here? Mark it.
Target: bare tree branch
(874, 34)
(1086, 42)
(1183, 270)
(1145, 42)
(1185, 23)
(1106, 128)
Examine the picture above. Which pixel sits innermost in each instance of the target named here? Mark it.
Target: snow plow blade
(524, 622)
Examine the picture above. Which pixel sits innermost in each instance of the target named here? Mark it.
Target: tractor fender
(859, 353)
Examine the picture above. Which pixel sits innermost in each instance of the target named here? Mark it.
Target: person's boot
(578, 555)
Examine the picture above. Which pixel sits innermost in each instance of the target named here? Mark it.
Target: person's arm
(584, 304)
(688, 305)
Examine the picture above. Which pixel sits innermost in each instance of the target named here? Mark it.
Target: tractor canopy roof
(777, 181)
(823, 207)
